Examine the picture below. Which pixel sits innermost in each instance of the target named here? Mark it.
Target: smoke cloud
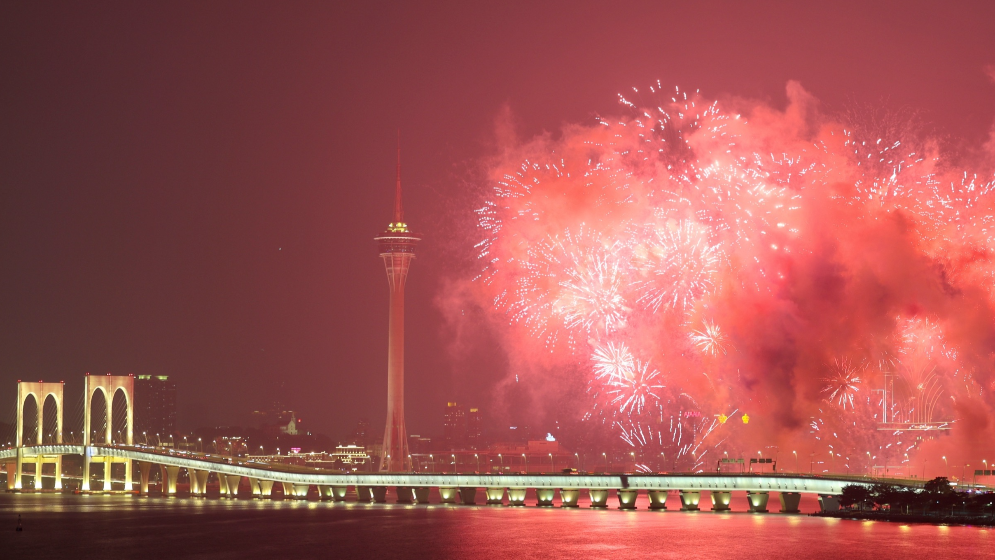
(691, 277)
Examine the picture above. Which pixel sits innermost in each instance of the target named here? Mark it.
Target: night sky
(193, 190)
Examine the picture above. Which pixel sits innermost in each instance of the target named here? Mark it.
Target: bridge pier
(829, 502)
(447, 494)
(379, 494)
(758, 501)
(144, 468)
(468, 495)
(254, 487)
(721, 500)
(194, 484)
(169, 474)
(495, 496)
(658, 499)
(233, 481)
(339, 492)
(626, 498)
(201, 477)
(266, 488)
(363, 494)
(288, 490)
(569, 497)
(690, 499)
(301, 490)
(19, 469)
(405, 494)
(324, 492)
(516, 496)
(128, 484)
(84, 484)
(544, 497)
(11, 468)
(107, 474)
(39, 461)
(790, 501)
(421, 494)
(599, 498)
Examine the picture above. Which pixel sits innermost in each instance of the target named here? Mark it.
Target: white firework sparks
(633, 394)
(710, 340)
(613, 362)
(843, 383)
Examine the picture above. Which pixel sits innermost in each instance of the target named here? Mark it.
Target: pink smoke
(655, 275)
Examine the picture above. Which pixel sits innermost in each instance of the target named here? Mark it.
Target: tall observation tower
(397, 247)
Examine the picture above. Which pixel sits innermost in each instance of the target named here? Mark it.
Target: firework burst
(710, 340)
(633, 394)
(843, 383)
(613, 362)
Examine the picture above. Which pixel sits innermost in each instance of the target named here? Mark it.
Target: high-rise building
(397, 248)
(462, 427)
(155, 405)
(454, 426)
(361, 435)
(474, 429)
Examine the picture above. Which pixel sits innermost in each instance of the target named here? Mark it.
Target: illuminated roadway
(728, 482)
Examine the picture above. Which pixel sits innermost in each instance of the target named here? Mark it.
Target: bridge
(237, 477)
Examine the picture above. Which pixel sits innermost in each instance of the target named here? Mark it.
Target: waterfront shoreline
(961, 520)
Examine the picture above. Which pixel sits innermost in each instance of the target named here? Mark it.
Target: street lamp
(477, 457)
(552, 467)
(526, 463)
(946, 466)
(500, 458)
(432, 458)
(605, 457)
(454, 463)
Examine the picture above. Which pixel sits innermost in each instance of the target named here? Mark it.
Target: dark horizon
(193, 190)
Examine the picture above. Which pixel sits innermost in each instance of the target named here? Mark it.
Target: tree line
(936, 497)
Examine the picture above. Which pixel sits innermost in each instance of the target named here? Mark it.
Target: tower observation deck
(397, 248)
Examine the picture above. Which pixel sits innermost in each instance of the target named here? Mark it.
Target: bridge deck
(777, 482)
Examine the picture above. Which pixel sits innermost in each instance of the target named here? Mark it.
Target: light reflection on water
(131, 527)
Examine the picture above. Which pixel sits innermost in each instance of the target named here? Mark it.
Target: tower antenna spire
(398, 207)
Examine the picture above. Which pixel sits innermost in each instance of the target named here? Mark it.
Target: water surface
(112, 527)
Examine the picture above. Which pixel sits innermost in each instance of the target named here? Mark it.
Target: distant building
(361, 435)
(276, 421)
(474, 429)
(462, 427)
(155, 405)
(419, 444)
(352, 457)
(454, 426)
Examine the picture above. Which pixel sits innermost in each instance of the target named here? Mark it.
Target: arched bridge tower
(40, 392)
(109, 385)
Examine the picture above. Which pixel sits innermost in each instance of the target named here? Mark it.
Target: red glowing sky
(193, 190)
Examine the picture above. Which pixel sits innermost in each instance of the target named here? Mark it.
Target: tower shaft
(394, 457)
